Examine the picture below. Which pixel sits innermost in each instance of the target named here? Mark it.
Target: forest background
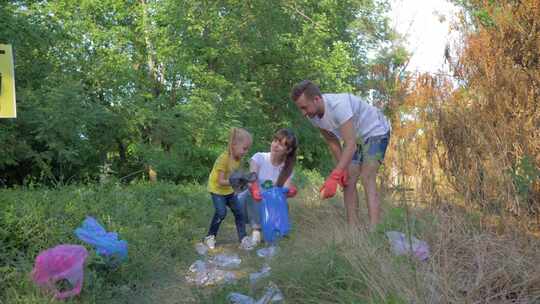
(129, 91)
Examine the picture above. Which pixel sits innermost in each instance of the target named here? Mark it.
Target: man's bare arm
(333, 143)
(349, 137)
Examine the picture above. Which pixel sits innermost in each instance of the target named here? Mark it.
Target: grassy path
(323, 261)
(161, 223)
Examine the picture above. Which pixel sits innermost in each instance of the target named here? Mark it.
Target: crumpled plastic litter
(201, 248)
(198, 266)
(63, 262)
(401, 245)
(238, 298)
(226, 260)
(267, 252)
(272, 294)
(207, 273)
(274, 214)
(263, 273)
(247, 244)
(106, 243)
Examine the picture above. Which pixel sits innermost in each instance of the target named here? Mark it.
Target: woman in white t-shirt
(275, 166)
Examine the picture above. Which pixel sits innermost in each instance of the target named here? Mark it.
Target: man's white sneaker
(210, 241)
(246, 243)
(255, 237)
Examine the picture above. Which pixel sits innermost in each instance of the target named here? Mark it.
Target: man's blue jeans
(221, 202)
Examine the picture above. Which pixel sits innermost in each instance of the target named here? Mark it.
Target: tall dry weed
(480, 140)
(469, 262)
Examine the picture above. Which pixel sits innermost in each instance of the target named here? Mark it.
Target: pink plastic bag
(59, 263)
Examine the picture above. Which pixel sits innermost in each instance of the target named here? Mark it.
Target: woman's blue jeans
(251, 209)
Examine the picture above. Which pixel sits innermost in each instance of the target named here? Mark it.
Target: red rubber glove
(255, 191)
(337, 177)
(292, 191)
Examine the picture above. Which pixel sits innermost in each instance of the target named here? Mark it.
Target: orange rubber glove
(337, 177)
(292, 191)
(255, 191)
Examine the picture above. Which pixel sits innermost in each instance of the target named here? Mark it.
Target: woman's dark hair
(292, 144)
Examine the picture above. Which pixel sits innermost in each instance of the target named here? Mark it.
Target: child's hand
(255, 191)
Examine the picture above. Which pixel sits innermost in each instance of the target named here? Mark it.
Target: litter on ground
(272, 294)
(402, 245)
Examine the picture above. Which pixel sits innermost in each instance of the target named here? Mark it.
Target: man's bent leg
(350, 195)
(368, 175)
(373, 151)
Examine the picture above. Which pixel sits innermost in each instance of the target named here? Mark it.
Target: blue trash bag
(274, 213)
(106, 243)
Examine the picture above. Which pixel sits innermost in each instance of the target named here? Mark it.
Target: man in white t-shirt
(365, 132)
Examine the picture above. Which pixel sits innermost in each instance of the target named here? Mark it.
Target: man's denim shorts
(371, 150)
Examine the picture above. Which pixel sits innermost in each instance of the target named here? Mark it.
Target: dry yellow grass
(472, 261)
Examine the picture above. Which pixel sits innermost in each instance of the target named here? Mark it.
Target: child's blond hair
(238, 135)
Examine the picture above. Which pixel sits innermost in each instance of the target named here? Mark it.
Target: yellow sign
(7, 83)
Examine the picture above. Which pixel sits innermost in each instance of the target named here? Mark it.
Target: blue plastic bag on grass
(274, 213)
(106, 243)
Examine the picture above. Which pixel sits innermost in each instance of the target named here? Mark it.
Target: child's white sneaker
(210, 241)
(255, 237)
(246, 243)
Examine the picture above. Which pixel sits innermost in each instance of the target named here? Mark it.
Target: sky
(426, 25)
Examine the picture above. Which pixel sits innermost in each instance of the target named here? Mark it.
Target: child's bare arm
(222, 180)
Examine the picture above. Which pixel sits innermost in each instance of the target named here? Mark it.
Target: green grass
(161, 222)
(322, 261)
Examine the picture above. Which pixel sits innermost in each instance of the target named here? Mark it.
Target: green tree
(147, 83)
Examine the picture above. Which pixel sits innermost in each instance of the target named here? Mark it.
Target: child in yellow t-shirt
(222, 193)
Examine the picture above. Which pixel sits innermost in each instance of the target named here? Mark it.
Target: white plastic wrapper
(228, 261)
(256, 276)
(203, 273)
(401, 245)
(272, 294)
(267, 252)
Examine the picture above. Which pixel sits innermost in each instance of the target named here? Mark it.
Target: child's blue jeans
(221, 202)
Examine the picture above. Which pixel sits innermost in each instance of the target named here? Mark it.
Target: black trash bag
(239, 180)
